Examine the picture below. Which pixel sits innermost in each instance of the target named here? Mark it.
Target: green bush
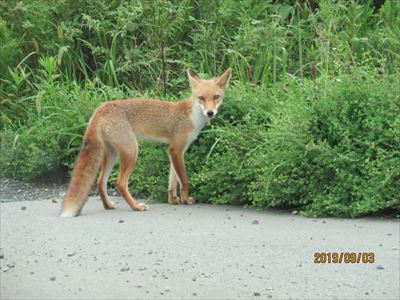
(347, 161)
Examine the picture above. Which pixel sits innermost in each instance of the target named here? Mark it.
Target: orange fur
(115, 127)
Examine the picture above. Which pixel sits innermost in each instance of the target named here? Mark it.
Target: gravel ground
(197, 251)
(14, 190)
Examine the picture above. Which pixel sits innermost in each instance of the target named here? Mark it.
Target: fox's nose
(210, 114)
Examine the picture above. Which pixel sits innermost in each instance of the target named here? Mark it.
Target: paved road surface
(198, 251)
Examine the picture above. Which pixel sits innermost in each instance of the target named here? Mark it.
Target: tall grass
(144, 44)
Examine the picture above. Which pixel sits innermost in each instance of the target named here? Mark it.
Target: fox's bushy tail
(83, 176)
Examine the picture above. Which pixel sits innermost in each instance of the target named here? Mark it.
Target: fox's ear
(193, 77)
(223, 80)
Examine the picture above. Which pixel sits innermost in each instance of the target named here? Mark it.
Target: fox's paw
(110, 205)
(188, 200)
(68, 213)
(174, 200)
(142, 207)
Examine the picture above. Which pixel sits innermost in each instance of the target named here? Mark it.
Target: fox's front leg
(176, 156)
(172, 185)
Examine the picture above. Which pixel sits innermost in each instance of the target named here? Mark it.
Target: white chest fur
(198, 120)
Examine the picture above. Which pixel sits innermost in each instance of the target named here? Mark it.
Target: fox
(115, 128)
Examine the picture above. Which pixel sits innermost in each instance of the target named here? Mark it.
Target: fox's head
(208, 94)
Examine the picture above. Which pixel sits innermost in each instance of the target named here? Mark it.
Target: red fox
(115, 127)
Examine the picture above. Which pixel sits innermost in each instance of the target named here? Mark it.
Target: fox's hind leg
(127, 149)
(106, 168)
(172, 185)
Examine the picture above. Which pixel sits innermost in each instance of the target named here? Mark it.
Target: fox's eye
(216, 97)
(201, 98)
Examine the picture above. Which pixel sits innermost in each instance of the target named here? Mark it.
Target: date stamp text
(344, 257)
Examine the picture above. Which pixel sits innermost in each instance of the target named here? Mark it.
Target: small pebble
(52, 278)
(1, 256)
(138, 286)
(256, 294)
(124, 269)
(379, 267)
(295, 212)
(323, 221)
(121, 221)
(166, 289)
(71, 254)
(23, 207)
(255, 222)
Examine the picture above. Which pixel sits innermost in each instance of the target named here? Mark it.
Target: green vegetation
(311, 119)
